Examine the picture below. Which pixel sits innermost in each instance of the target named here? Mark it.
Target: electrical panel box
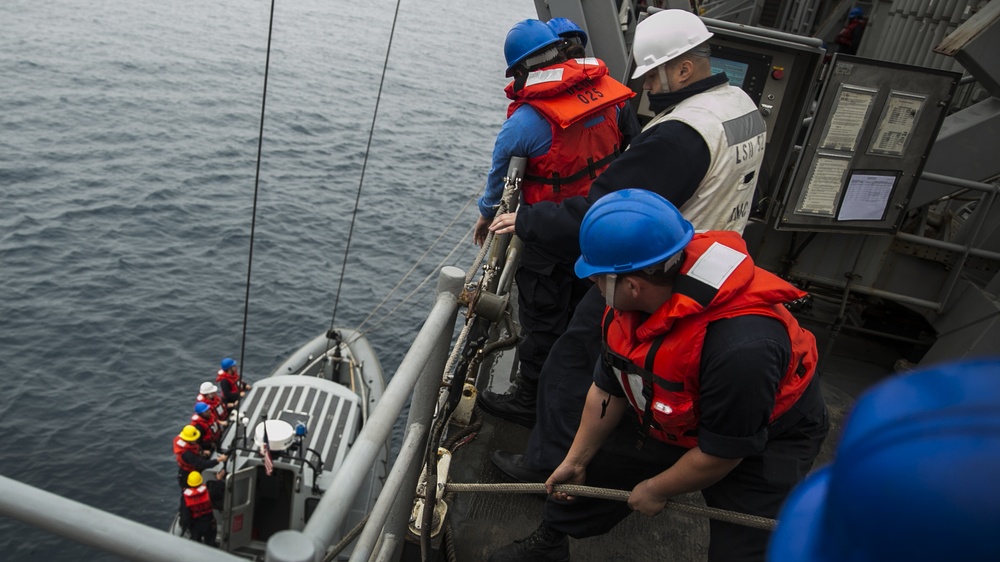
(866, 147)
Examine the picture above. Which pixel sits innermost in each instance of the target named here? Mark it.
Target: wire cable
(364, 167)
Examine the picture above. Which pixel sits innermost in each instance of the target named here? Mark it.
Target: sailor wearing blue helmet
(707, 383)
(849, 38)
(564, 119)
(231, 384)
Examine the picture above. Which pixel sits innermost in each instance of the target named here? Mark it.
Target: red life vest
(210, 431)
(569, 96)
(197, 501)
(232, 378)
(218, 408)
(846, 36)
(180, 447)
(659, 356)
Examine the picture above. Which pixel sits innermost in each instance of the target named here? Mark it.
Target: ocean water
(128, 144)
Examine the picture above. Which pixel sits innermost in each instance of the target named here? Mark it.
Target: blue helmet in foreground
(856, 12)
(525, 39)
(567, 29)
(201, 407)
(629, 230)
(227, 363)
(915, 476)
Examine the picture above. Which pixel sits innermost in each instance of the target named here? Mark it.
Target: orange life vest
(198, 501)
(233, 378)
(571, 95)
(180, 447)
(657, 359)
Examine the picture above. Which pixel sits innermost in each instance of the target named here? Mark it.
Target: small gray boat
(313, 405)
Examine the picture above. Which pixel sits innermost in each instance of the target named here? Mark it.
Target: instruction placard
(850, 112)
(867, 195)
(895, 127)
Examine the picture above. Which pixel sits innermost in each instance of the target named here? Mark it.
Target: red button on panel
(778, 73)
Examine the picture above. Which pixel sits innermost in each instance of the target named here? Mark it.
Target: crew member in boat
(702, 151)
(211, 429)
(197, 502)
(563, 118)
(707, 383)
(209, 394)
(231, 385)
(190, 456)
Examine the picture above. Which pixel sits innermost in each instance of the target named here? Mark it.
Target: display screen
(746, 69)
(736, 71)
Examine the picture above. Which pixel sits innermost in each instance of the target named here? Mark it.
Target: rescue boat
(313, 405)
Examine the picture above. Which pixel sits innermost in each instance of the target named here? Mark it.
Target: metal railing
(419, 375)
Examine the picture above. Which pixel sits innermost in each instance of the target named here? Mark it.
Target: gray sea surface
(128, 145)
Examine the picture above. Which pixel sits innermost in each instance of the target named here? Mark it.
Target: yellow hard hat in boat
(194, 479)
(190, 433)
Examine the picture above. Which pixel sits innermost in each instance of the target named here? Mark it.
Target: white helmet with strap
(665, 36)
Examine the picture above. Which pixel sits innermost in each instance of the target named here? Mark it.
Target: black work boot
(513, 466)
(517, 406)
(544, 545)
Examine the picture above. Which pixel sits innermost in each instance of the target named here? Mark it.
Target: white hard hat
(664, 36)
(208, 388)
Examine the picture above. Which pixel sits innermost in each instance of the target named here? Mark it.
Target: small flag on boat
(265, 451)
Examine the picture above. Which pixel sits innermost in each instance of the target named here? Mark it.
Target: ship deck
(483, 522)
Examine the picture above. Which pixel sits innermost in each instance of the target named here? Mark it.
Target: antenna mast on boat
(256, 189)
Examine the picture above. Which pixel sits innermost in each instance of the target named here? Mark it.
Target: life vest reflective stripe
(657, 360)
(180, 447)
(198, 501)
(581, 103)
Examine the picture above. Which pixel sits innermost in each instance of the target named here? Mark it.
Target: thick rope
(754, 521)
(346, 540)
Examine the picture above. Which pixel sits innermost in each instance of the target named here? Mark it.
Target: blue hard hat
(228, 362)
(629, 230)
(915, 476)
(201, 407)
(526, 38)
(566, 28)
(856, 12)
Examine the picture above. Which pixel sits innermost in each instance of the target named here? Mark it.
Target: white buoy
(280, 435)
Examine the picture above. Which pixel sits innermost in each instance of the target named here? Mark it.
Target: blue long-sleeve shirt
(527, 133)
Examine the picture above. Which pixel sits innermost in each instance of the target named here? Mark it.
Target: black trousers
(203, 530)
(547, 295)
(566, 377)
(757, 486)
